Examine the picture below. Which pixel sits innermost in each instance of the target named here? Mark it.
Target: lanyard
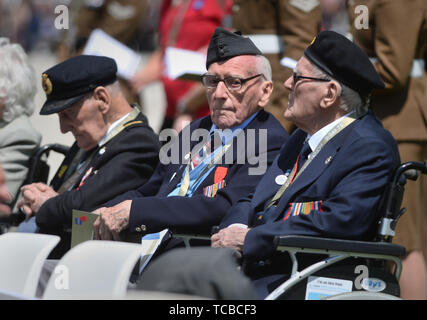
(335, 130)
(186, 181)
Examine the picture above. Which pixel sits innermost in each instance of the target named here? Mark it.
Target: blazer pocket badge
(296, 208)
(210, 191)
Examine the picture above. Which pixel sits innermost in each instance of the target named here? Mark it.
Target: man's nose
(221, 90)
(63, 124)
(289, 83)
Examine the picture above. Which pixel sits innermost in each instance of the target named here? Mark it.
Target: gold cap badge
(312, 41)
(46, 84)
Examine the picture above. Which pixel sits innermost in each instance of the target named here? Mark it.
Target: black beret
(225, 44)
(344, 61)
(69, 81)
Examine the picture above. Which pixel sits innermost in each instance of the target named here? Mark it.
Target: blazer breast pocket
(210, 191)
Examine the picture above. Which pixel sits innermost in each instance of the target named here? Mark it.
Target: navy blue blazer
(343, 185)
(152, 210)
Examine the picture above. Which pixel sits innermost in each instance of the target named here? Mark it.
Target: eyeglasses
(232, 83)
(296, 78)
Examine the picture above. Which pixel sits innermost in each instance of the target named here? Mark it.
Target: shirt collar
(316, 138)
(226, 135)
(113, 125)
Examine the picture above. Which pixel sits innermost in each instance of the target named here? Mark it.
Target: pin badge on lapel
(281, 179)
(102, 151)
(328, 159)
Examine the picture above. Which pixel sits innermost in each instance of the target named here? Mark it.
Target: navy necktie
(303, 155)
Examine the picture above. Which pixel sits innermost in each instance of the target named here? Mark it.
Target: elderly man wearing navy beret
(115, 149)
(329, 177)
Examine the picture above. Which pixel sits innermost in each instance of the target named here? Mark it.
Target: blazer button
(138, 229)
(143, 227)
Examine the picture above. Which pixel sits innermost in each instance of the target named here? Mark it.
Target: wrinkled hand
(34, 196)
(231, 237)
(112, 221)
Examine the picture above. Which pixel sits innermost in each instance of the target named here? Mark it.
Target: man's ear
(267, 89)
(103, 98)
(332, 94)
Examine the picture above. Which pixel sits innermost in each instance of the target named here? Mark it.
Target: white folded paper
(102, 44)
(288, 62)
(184, 64)
(150, 242)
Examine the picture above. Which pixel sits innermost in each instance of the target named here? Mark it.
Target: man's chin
(84, 146)
(224, 124)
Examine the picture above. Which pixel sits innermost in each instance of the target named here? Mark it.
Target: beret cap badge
(46, 84)
(312, 41)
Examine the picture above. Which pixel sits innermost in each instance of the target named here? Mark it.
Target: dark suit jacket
(152, 210)
(347, 179)
(128, 162)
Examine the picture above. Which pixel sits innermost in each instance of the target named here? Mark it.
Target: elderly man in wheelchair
(328, 182)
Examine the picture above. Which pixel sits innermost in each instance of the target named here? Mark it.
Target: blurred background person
(18, 138)
(396, 40)
(4, 195)
(335, 16)
(121, 19)
(184, 24)
(282, 29)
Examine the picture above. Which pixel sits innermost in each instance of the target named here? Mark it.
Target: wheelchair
(38, 171)
(344, 269)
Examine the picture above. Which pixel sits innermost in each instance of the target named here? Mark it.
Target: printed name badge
(318, 288)
(281, 179)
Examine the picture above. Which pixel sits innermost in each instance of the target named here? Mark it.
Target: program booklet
(82, 227)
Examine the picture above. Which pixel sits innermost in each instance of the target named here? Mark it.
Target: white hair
(114, 88)
(264, 67)
(17, 81)
(350, 99)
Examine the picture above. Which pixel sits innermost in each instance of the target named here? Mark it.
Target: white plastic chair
(96, 268)
(22, 257)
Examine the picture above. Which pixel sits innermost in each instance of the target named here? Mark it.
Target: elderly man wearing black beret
(115, 149)
(329, 177)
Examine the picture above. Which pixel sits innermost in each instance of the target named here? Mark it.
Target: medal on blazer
(186, 181)
(219, 182)
(87, 174)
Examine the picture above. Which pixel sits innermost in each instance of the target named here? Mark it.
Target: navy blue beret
(344, 61)
(69, 81)
(225, 44)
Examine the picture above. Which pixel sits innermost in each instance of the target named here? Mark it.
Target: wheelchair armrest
(185, 233)
(382, 248)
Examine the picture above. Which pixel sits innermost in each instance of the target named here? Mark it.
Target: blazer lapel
(315, 168)
(205, 123)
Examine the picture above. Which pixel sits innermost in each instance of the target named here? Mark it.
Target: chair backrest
(22, 257)
(94, 268)
(38, 171)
